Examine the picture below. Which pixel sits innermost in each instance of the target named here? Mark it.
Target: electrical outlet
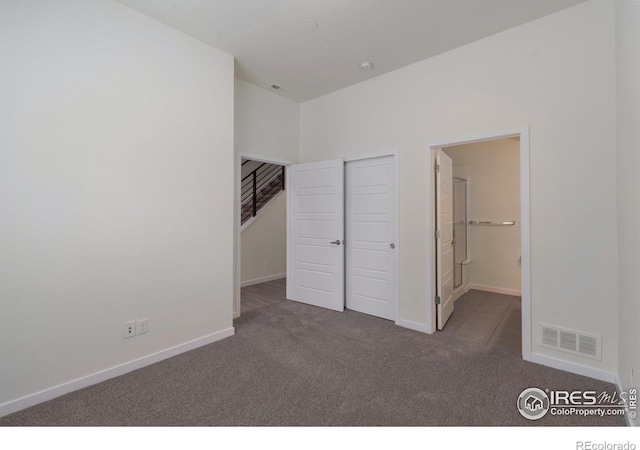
(129, 329)
(142, 326)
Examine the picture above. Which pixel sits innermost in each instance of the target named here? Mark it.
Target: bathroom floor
(487, 318)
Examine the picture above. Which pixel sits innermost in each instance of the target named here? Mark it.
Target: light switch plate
(142, 326)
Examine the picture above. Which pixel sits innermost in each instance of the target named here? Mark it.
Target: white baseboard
(415, 326)
(98, 377)
(263, 279)
(572, 367)
(496, 290)
(459, 292)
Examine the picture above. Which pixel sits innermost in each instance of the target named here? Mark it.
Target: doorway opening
(480, 222)
(341, 236)
(260, 233)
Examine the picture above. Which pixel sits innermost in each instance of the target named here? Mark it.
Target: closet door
(315, 262)
(370, 235)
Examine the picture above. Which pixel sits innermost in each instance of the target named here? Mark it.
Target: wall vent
(571, 341)
(549, 336)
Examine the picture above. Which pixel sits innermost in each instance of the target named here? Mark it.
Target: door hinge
(437, 299)
(437, 234)
(437, 168)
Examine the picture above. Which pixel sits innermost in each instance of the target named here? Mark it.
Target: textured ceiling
(272, 42)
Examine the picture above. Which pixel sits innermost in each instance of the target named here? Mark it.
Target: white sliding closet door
(315, 266)
(370, 235)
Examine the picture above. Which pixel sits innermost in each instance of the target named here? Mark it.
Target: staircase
(258, 188)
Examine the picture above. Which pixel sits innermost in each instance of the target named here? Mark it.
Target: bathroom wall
(494, 195)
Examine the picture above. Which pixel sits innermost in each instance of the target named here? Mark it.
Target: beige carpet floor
(292, 364)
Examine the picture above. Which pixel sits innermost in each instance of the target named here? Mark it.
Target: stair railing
(258, 187)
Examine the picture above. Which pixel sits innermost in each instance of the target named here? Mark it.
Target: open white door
(315, 269)
(444, 237)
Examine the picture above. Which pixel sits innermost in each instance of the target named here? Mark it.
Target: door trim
(237, 267)
(525, 223)
(396, 212)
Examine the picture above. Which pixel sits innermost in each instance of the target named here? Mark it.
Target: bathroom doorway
(484, 296)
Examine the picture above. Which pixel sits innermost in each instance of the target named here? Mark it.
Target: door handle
(337, 242)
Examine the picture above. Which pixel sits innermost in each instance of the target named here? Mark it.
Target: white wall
(264, 243)
(494, 195)
(628, 143)
(555, 75)
(248, 166)
(116, 176)
(266, 126)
